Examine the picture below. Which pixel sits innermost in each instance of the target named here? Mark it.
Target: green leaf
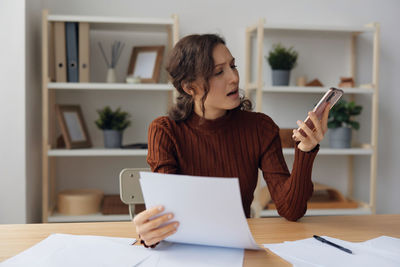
(354, 124)
(334, 124)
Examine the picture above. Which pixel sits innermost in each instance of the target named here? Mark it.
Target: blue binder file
(71, 36)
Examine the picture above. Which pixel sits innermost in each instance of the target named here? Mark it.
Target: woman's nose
(234, 77)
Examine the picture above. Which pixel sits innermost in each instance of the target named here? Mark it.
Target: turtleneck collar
(197, 122)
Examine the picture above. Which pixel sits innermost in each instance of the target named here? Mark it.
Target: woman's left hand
(314, 137)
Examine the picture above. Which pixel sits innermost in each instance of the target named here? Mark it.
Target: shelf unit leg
(247, 63)
(350, 177)
(260, 46)
(375, 122)
(45, 118)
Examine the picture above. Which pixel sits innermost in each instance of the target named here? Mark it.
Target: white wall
(230, 18)
(33, 122)
(12, 108)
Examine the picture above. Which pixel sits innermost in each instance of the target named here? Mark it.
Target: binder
(84, 52)
(59, 50)
(71, 34)
(51, 54)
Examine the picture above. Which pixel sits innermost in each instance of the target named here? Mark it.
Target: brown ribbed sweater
(235, 145)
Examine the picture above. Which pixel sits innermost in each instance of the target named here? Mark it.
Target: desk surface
(16, 238)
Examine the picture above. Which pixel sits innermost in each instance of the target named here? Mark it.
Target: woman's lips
(233, 92)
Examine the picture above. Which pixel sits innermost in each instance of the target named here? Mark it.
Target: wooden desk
(16, 238)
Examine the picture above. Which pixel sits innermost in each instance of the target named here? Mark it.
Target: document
(209, 210)
(169, 254)
(77, 250)
(381, 251)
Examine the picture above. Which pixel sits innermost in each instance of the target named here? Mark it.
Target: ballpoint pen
(332, 244)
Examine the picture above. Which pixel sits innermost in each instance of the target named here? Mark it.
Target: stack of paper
(74, 250)
(381, 251)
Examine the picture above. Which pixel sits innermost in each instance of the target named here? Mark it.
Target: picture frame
(73, 126)
(145, 62)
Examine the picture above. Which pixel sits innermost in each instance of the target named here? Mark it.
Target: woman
(212, 132)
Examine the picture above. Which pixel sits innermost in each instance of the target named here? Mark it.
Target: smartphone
(331, 97)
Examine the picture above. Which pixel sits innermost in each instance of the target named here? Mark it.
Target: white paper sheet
(73, 250)
(208, 209)
(174, 254)
(310, 252)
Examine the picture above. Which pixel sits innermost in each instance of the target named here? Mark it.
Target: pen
(332, 244)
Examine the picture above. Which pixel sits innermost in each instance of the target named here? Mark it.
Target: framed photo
(73, 126)
(146, 63)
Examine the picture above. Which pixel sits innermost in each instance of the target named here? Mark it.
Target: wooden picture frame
(146, 62)
(73, 126)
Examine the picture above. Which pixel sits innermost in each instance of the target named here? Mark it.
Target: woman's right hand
(149, 230)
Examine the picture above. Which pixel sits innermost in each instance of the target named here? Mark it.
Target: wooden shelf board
(321, 28)
(104, 22)
(362, 210)
(96, 152)
(111, 86)
(314, 89)
(335, 151)
(97, 217)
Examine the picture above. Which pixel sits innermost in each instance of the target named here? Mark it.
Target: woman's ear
(187, 87)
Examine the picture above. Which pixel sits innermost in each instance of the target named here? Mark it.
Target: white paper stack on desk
(383, 251)
(77, 250)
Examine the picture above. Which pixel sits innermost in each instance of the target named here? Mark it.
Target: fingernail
(298, 122)
(170, 216)
(160, 208)
(176, 225)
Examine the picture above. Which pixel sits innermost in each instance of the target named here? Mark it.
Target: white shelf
(111, 86)
(364, 209)
(321, 28)
(335, 151)
(116, 23)
(97, 217)
(96, 152)
(314, 89)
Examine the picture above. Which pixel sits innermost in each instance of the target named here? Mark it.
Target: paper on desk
(74, 250)
(209, 210)
(311, 252)
(71, 250)
(177, 254)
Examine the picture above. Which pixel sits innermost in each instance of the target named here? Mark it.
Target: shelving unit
(257, 34)
(49, 90)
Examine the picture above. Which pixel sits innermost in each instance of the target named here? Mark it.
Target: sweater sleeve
(290, 192)
(161, 155)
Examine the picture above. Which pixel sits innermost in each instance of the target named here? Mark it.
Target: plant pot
(340, 137)
(112, 138)
(280, 77)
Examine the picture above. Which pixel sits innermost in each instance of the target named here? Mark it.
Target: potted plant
(282, 60)
(113, 123)
(341, 123)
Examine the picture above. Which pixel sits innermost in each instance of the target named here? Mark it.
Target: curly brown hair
(189, 60)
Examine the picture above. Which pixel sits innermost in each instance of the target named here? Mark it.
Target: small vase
(280, 77)
(340, 137)
(111, 77)
(112, 138)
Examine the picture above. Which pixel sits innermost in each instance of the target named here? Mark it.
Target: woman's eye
(218, 73)
(233, 66)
